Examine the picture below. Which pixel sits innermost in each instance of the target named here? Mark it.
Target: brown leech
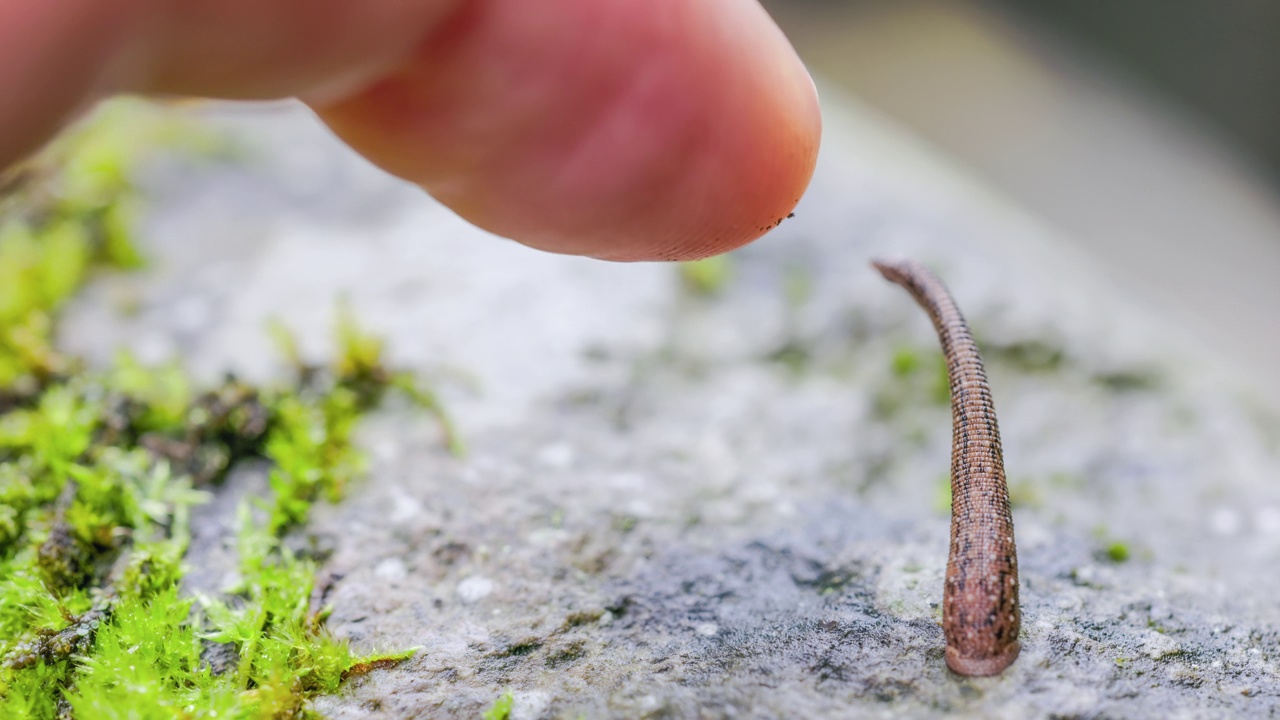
(980, 614)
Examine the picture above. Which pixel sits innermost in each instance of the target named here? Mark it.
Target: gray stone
(731, 506)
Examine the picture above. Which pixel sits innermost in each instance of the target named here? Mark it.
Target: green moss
(1022, 494)
(794, 356)
(1129, 380)
(99, 472)
(360, 363)
(501, 708)
(1028, 356)
(906, 361)
(797, 286)
(624, 523)
(707, 277)
(940, 387)
(942, 494)
(64, 214)
(523, 647)
(1025, 493)
(565, 653)
(582, 617)
(1110, 548)
(921, 378)
(1117, 552)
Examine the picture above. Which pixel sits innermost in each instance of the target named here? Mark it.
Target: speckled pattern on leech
(980, 615)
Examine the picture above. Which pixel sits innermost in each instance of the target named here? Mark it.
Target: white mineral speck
(1267, 520)
(391, 569)
(1224, 521)
(474, 588)
(559, 456)
(404, 507)
(530, 705)
(1157, 646)
(192, 313)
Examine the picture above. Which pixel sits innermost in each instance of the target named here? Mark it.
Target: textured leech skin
(980, 614)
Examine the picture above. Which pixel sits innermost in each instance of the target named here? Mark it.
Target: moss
(706, 277)
(922, 378)
(99, 472)
(360, 363)
(793, 355)
(1110, 548)
(566, 653)
(624, 523)
(522, 647)
(501, 708)
(906, 361)
(797, 286)
(1025, 493)
(62, 215)
(1117, 552)
(829, 581)
(1022, 494)
(1028, 356)
(582, 617)
(1129, 380)
(942, 494)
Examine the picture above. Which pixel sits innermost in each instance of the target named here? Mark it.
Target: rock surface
(678, 505)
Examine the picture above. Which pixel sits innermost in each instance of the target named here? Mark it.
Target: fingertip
(632, 130)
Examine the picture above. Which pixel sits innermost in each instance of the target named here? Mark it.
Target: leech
(980, 614)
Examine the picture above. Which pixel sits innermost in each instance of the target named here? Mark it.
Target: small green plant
(942, 494)
(1110, 549)
(99, 472)
(707, 277)
(64, 214)
(1117, 552)
(501, 708)
(906, 361)
(921, 374)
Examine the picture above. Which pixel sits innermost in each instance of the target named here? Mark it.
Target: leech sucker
(980, 614)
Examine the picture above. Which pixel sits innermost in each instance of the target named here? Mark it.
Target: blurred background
(1144, 131)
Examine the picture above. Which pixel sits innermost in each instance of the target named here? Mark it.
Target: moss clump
(1029, 356)
(1117, 552)
(62, 215)
(707, 277)
(920, 376)
(942, 494)
(501, 708)
(99, 472)
(906, 361)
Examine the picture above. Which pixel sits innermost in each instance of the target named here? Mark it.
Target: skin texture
(624, 130)
(980, 613)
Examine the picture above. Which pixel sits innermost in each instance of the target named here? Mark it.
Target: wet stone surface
(686, 506)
